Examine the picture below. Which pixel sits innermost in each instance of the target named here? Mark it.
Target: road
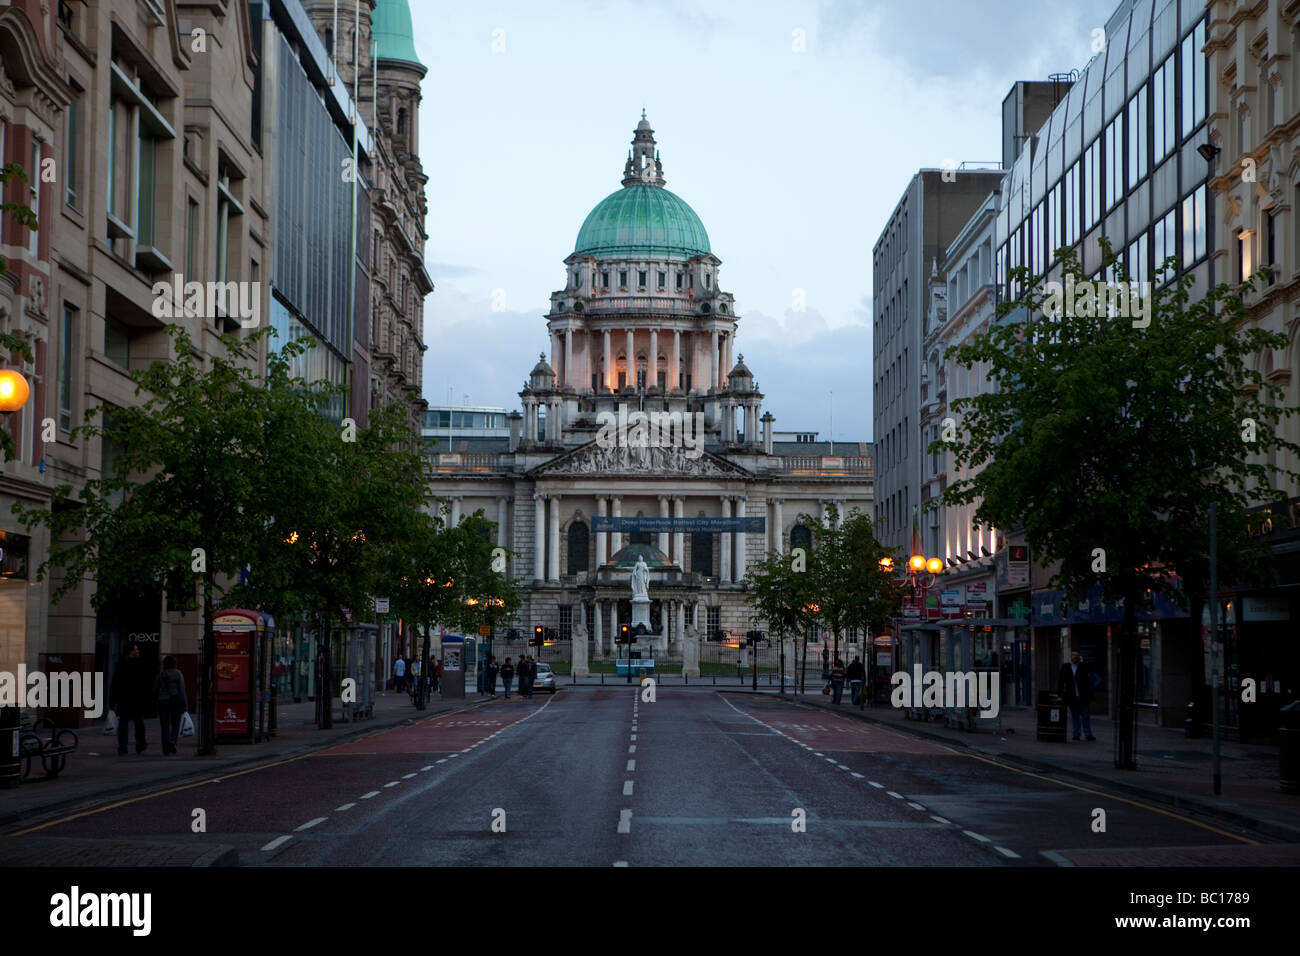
(595, 776)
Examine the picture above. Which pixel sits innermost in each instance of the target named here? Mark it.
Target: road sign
(484, 630)
(381, 605)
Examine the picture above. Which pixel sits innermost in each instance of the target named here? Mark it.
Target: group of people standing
(135, 694)
(526, 672)
(406, 675)
(855, 674)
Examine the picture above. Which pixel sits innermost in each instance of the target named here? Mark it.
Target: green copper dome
(391, 26)
(643, 220)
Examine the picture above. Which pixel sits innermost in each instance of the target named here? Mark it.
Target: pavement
(1171, 768)
(95, 775)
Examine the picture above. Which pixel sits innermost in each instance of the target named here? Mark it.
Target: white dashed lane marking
(372, 793)
(276, 842)
(346, 806)
(625, 821)
(1010, 854)
(631, 765)
(627, 788)
(311, 823)
(976, 836)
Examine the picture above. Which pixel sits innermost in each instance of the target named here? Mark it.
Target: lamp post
(921, 572)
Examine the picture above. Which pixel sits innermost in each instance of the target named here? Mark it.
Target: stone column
(567, 379)
(602, 537)
(631, 360)
(679, 537)
(724, 570)
(555, 538)
(613, 626)
(742, 507)
(780, 526)
(599, 631)
(539, 537)
(578, 652)
(691, 653)
(674, 373)
(680, 629)
(663, 513)
(616, 537)
(502, 514)
(607, 372)
(652, 371)
(455, 510)
(713, 361)
(555, 350)
(665, 624)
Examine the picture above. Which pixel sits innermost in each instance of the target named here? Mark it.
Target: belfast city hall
(643, 436)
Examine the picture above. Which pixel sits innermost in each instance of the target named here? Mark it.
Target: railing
(826, 464)
(477, 461)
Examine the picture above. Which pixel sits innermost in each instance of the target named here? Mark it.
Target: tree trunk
(803, 672)
(208, 675)
(324, 693)
(1126, 685)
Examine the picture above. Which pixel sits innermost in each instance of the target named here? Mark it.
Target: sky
(792, 129)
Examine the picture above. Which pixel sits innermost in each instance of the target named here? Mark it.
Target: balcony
(845, 465)
(462, 462)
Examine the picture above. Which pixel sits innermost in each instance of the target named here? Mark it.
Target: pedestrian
(837, 680)
(437, 676)
(855, 672)
(523, 676)
(399, 675)
(532, 674)
(129, 697)
(490, 676)
(826, 662)
(169, 692)
(507, 675)
(1075, 685)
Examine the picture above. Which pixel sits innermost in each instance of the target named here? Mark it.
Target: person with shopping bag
(169, 692)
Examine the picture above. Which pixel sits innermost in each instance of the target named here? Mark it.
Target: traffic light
(624, 635)
(537, 637)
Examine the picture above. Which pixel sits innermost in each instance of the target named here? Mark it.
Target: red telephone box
(241, 673)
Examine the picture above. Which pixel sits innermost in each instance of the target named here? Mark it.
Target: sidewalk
(1172, 768)
(95, 773)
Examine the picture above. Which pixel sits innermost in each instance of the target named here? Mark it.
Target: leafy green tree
(1107, 440)
(174, 509)
(780, 593)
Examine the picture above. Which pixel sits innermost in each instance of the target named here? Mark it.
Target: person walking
(826, 662)
(437, 676)
(855, 672)
(837, 680)
(507, 675)
(490, 676)
(399, 675)
(1075, 685)
(129, 698)
(169, 692)
(525, 677)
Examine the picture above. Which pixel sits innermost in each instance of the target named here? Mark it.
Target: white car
(545, 679)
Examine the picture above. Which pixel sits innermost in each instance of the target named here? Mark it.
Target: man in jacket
(1075, 685)
(854, 673)
(129, 697)
(507, 675)
(169, 691)
(490, 677)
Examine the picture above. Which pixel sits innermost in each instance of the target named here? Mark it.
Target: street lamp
(14, 390)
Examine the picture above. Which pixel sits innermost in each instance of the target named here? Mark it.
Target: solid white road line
(627, 788)
(625, 821)
(276, 842)
(311, 823)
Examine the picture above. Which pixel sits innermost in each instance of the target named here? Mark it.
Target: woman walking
(837, 680)
(169, 692)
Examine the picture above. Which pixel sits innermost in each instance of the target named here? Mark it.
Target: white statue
(640, 582)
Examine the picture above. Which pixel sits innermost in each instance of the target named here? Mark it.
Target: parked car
(545, 678)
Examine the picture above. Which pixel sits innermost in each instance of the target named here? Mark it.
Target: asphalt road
(595, 776)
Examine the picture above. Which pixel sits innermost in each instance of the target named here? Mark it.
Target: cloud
(447, 270)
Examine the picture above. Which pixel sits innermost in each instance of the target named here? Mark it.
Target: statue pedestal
(691, 653)
(578, 653)
(640, 614)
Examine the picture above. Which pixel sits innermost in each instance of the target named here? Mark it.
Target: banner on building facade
(673, 525)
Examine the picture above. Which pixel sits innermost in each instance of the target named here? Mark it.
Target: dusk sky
(793, 160)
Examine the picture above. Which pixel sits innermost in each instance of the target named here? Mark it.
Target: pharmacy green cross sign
(1019, 609)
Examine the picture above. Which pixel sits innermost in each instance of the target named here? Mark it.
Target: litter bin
(1288, 736)
(1051, 716)
(9, 754)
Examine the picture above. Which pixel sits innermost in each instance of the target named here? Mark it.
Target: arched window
(401, 121)
(801, 537)
(578, 547)
(329, 42)
(702, 552)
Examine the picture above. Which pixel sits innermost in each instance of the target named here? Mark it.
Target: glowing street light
(14, 390)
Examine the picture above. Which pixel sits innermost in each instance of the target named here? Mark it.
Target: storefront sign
(1265, 607)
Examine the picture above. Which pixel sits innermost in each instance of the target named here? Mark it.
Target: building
(644, 325)
(1253, 108)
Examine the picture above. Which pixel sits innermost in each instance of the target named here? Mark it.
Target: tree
(1107, 439)
(174, 509)
(780, 594)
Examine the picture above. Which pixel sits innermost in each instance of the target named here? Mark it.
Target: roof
(643, 220)
(390, 25)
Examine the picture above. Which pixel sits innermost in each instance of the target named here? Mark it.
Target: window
(1164, 131)
(1164, 243)
(622, 279)
(1114, 164)
(713, 617)
(65, 367)
(640, 277)
(1193, 68)
(578, 537)
(227, 207)
(577, 279)
(117, 342)
(112, 157)
(679, 280)
(1036, 240)
(34, 195)
(1053, 221)
(1137, 137)
(801, 537)
(1137, 260)
(1092, 185)
(191, 236)
(1194, 226)
(701, 552)
(1242, 255)
(663, 279)
(708, 281)
(566, 622)
(604, 280)
(71, 147)
(1270, 246)
(1070, 201)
